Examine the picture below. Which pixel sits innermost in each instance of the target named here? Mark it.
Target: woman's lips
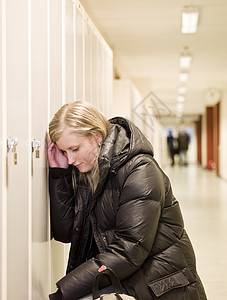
(78, 165)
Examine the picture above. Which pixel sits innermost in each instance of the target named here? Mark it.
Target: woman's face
(81, 151)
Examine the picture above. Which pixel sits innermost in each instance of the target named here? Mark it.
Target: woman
(113, 203)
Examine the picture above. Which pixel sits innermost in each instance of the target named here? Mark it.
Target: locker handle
(11, 145)
(36, 147)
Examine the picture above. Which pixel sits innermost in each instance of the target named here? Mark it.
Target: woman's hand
(56, 157)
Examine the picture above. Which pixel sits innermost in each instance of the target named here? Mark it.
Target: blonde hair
(83, 119)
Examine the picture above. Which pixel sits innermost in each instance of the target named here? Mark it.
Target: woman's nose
(71, 158)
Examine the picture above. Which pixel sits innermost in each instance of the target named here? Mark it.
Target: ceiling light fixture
(190, 17)
(181, 98)
(182, 90)
(185, 59)
(179, 107)
(183, 76)
(185, 62)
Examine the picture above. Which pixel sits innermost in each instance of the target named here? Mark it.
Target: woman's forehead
(71, 139)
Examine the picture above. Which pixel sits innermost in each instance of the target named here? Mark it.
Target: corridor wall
(50, 54)
(204, 141)
(128, 103)
(223, 139)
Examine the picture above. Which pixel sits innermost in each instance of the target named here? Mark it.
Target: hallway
(126, 62)
(202, 196)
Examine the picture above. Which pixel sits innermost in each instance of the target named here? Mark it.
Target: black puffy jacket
(136, 223)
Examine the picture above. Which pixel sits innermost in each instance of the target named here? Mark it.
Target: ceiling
(146, 39)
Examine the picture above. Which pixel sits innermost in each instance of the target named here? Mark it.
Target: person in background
(183, 142)
(111, 200)
(171, 149)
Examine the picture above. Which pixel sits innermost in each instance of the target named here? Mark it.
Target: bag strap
(104, 271)
(118, 297)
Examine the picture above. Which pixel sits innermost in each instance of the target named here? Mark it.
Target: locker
(69, 50)
(57, 95)
(79, 55)
(2, 145)
(87, 62)
(18, 125)
(42, 63)
(38, 214)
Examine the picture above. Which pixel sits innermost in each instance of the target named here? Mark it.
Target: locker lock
(11, 145)
(36, 147)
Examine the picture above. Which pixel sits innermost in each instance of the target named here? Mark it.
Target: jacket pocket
(167, 283)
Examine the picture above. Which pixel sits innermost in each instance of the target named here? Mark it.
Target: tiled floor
(203, 199)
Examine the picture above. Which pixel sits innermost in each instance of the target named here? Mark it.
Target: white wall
(204, 142)
(50, 54)
(192, 148)
(122, 99)
(156, 134)
(223, 137)
(128, 102)
(126, 98)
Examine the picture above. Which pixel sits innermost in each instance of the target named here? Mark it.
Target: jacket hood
(124, 141)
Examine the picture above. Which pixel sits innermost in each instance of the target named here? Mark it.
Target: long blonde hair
(83, 119)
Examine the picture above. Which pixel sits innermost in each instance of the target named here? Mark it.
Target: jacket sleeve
(61, 203)
(137, 220)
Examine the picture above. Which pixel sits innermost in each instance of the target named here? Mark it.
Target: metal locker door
(79, 55)
(70, 53)
(18, 127)
(87, 62)
(57, 99)
(40, 231)
(2, 137)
